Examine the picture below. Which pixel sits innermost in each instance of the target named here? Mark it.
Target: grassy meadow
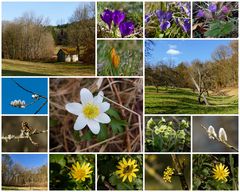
(185, 101)
(25, 68)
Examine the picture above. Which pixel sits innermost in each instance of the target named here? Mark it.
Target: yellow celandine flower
(115, 58)
(220, 172)
(167, 174)
(81, 172)
(127, 169)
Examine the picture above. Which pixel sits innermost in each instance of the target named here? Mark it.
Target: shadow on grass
(20, 73)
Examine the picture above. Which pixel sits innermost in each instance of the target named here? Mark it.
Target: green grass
(24, 68)
(184, 101)
(23, 188)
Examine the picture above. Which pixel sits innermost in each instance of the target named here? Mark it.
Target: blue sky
(184, 50)
(30, 160)
(10, 92)
(56, 12)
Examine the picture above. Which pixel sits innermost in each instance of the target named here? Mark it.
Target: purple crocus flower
(213, 8)
(165, 25)
(200, 13)
(118, 17)
(186, 25)
(225, 9)
(126, 28)
(106, 16)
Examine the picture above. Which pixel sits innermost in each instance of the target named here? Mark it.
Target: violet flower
(118, 17)
(106, 16)
(164, 18)
(147, 18)
(225, 9)
(200, 13)
(165, 25)
(213, 8)
(126, 28)
(186, 25)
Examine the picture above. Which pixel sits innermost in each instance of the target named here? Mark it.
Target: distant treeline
(14, 174)
(220, 72)
(31, 38)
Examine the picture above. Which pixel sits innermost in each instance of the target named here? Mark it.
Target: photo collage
(119, 95)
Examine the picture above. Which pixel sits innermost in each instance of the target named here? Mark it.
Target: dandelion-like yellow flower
(167, 174)
(220, 172)
(81, 172)
(127, 169)
(115, 58)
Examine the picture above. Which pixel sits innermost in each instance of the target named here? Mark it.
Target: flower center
(91, 111)
(81, 173)
(128, 169)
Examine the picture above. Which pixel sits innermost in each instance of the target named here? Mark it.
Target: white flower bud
(35, 96)
(222, 135)
(18, 103)
(211, 132)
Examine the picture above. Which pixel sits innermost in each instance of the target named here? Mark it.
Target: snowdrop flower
(222, 135)
(211, 132)
(91, 112)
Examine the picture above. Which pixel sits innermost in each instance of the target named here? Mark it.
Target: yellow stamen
(91, 111)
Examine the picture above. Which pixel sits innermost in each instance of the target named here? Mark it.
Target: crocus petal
(99, 98)
(126, 28)
(80, 123)
(86, 96)
(118, 17)
(103, 118)
(74, 108)
(94, 126)
(104, 106)
(106, 16)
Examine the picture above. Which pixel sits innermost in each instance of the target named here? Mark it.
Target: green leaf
(58, 158)
(114, 180)
(103, 134)
(118, 125)
(219, 28)
(87, 136)
(113, 113)
(125, 186)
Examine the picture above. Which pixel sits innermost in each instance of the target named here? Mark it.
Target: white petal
(74, 108)
(93, 126)
(104, 106)
(99, 98)
(86, 96)
(103, 118)
(80, 123)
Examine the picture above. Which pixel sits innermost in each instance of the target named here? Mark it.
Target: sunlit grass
(25, 68)
(184, 101)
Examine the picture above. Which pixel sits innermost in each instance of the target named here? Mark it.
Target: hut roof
(69, 51)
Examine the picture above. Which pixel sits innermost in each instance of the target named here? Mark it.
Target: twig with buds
(35, 96)
(26, 133)
(222, 136)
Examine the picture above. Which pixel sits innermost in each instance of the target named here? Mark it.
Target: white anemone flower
(91, 112)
